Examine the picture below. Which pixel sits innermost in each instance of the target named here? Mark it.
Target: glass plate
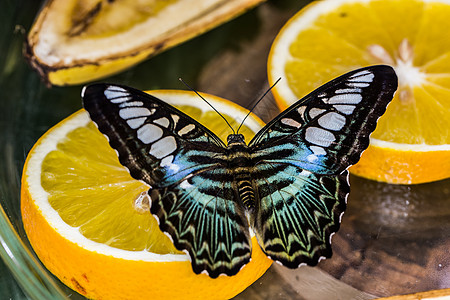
(394, 239)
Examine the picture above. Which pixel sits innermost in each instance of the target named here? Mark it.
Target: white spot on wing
(345, 109)
(162, 121)
(344, 99)
(168, 162)
(319, 136)
(205, 272)
(135, 123)
(318, 150)
(363, 76)
(346, 91)
(116, 94)
(291, 122)
(83, 91)
(305, 173)
(149, 133)
(175, 118)
(312, 158)
(360, 73)
(120, 100)
(133, 112)
(186, 129)
(301, 110)
(332, 121)
(115, 88)
(357, 84)
(314, 112)
(163, 147)
(131, 103)
(185, 185)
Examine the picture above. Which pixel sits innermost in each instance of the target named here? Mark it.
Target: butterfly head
(234, 139)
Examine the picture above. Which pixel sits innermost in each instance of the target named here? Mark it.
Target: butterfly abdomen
(246, 193)
(240, 165)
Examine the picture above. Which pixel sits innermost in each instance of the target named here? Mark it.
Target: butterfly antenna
(208, 104)
(257, 102)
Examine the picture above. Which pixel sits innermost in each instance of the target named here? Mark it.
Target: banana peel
(77, 41)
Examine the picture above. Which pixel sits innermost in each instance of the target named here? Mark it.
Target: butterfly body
(241, 165)
(288, 185)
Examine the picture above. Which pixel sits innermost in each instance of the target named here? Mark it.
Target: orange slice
(328, 38)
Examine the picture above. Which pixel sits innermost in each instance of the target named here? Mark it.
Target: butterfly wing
(191, 192)
(152, 138)
(326, 131)
(302, 159)
(200, 217)
(297, 213)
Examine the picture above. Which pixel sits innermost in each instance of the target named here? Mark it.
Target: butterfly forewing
(182, 161)
(153, 139)
(326, 131)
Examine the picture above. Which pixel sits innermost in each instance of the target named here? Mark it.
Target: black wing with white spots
(326, 131)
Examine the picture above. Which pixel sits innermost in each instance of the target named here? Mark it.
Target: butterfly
(289, 184)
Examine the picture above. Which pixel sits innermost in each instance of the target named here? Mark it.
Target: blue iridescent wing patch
(291, 180)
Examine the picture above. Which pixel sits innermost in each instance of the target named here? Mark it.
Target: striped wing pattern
(298, 213)
(304, 154)
(201, 219)
(291, 180)
(190, 193)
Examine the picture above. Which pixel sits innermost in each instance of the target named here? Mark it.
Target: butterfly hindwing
(297, 213)
(200, 216)
(191, 192)
(304, 153)
(326, 131)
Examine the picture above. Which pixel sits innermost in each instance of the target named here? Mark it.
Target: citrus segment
(409, 164)
(73, 179)
(329, 38)
(105, 244)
